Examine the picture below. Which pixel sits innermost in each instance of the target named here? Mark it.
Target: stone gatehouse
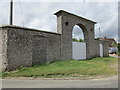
(21, 47)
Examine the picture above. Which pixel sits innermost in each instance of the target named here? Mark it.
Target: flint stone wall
(0, 50)
(27, 47)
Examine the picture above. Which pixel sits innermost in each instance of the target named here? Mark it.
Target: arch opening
(77, 34)
(78, 42)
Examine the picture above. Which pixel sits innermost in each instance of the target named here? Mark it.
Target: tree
(97, 38)
(81, 40)
(76, 40)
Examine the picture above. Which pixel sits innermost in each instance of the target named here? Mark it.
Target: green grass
(70, 68)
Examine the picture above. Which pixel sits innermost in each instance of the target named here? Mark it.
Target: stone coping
(25, 28)
(62, 11)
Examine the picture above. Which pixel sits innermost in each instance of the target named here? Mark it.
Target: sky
(39, 14)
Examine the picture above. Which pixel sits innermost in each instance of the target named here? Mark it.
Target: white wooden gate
(78, 50)
(101, 50)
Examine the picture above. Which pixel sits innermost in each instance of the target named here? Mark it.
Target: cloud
(77, 32)
(4, 13)
(40, 15)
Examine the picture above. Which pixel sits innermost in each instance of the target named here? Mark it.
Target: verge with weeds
(70, 68)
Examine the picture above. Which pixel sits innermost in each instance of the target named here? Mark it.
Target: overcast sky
(40, 15)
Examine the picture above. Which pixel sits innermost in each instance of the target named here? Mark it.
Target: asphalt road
(111, 82)
(115, 56)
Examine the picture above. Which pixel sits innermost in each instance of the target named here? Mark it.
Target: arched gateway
(65, 23)
(78, 44)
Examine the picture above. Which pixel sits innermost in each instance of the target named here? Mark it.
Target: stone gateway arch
(20, 46)
(65, 23)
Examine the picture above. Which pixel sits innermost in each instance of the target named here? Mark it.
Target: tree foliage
(78, 40)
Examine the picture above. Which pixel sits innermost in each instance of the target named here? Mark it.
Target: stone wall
(19, 48)
(51, 42)
(27, 47)
(95, 51)
(53, 47)
(0, 50)
(39, 49)
(105, 48)
(3, 48)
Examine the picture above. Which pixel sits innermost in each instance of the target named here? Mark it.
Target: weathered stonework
(1, 50)
(21, 47)
(105, 48)
(65, 22)
(27, 47)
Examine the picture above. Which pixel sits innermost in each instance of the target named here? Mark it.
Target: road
(111, 82)
(115, 56)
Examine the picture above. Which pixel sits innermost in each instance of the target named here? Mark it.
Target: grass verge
(70, 68)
